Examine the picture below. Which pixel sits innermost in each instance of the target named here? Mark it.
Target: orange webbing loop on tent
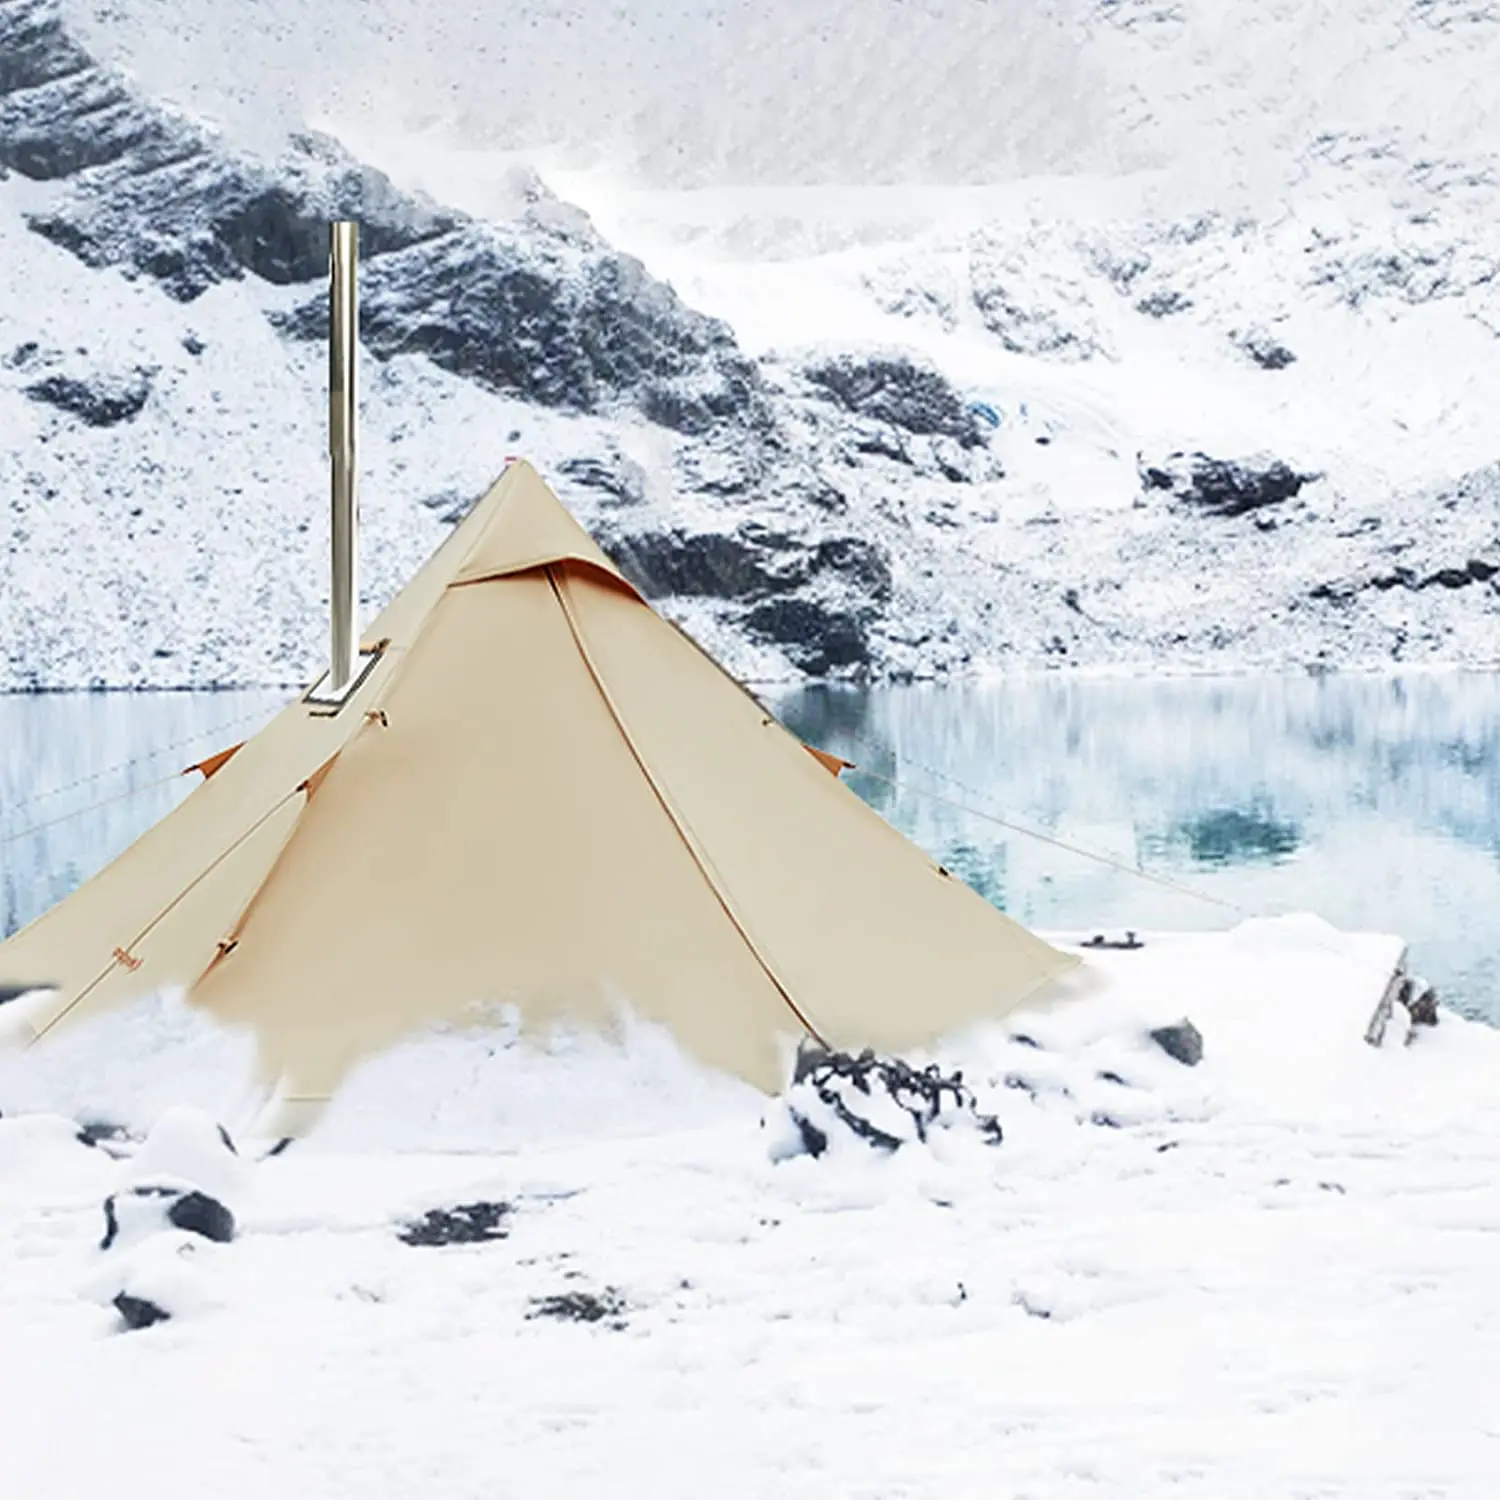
(126, 955)
(828, 760)
(214, 763)
(318, 777)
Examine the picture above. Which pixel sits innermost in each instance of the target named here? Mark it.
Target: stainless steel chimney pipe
(343, 351)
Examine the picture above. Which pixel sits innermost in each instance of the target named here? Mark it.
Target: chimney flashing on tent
(323, 694)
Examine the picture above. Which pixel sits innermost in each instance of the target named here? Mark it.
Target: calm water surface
(1373, 801)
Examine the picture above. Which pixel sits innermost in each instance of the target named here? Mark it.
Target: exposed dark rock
(1421, 1002)
(148, 1206)
(101, 401)
(878, 440)
(750, 564)
(726, 391)
(1223, 487)
(1182, 1041)
(34, 47)
(139, 1312)
(712, 565)
(550, 320)
(451, 505)
(197, 1213)
(860, 564)
(735, 469)
(1343, 592)
(70, 124)
(616, 476)
(1266, 350)
(846, 1086)
(204, 217)
(464, 1224)
(98, 1132)
(814, 637)
(150, 190)
(898, 390)
(581, 1307)
(1163, 304)
(1026, 328)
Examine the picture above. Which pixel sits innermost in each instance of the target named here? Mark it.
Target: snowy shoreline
(1270, 1273)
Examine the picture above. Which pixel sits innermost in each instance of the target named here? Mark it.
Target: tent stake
(343, 345)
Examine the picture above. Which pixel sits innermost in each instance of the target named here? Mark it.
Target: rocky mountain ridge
(829, 511)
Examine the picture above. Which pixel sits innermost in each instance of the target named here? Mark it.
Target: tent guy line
(78, 812)
(1047, 838)
(496, 841)
(215, 733)
(125, 957)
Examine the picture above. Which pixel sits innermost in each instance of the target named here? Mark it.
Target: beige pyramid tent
(538, 792)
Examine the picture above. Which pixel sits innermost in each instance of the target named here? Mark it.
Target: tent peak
(522, 527)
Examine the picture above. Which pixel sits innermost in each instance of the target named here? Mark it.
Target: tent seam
(679, 823)
(163, 914)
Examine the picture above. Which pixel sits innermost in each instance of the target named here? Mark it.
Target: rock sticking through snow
(581, 1307)
(139, 1312)
(1182, 1040)
(166, 1214)
(883, 1102)
(149, 1207)
(1222, 487)
(464, 1224)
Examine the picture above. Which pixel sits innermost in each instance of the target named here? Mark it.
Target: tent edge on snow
(539, 793)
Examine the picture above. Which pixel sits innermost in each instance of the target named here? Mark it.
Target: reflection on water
(1373, 801)
(82, 774)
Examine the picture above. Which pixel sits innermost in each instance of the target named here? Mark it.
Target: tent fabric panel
(180, 939)
(69, 944)
(529, 530)
(63, 945)
(878, 946)
(510, 850)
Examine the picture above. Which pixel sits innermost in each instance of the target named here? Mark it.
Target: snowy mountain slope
(810, 477)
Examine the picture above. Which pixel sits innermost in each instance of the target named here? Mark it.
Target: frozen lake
(1372, 801)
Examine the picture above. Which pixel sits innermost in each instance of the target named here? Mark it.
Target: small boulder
(166, 1276)
(464, 1224)
(896, 389)
(1181, 1040)
(139, 1312)
(102, 400)
(581, 1307)
(1421, 1002)
(197, 1213)
(883, 1102)
(147, 1208)
(1224, 487)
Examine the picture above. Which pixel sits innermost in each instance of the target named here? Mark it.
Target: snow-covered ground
(1269, 1274)
(1123, 229)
